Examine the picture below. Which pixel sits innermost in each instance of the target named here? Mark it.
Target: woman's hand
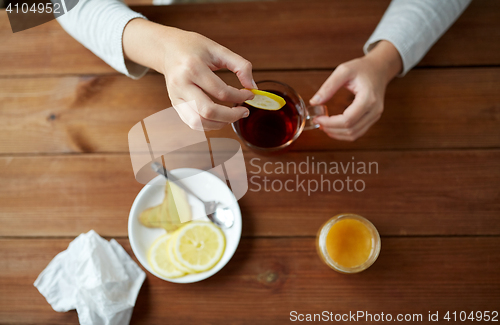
(187, 60)
(367, 79)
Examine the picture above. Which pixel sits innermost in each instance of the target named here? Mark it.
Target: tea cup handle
(312, 112)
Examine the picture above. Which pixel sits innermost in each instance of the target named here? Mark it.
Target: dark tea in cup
(269, 129)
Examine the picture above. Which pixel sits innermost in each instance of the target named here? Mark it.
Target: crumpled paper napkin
(95, 277)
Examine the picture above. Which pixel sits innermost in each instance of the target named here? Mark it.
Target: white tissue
(95, 277)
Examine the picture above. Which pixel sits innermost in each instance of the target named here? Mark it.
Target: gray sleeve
(413, 26)
(98, 25)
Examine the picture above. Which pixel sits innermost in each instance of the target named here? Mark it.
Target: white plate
(208, 187)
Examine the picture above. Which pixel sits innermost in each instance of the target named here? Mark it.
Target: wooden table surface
(65, 168)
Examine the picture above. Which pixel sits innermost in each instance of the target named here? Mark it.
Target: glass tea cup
(269, 131)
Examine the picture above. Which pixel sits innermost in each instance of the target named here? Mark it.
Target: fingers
(235, 63)
(213, 85)
(190, 77)
(351, 134)
(362, 103)
(363, 112)
(206, 108)
(189, 116)
(210, 110)
(337, 79)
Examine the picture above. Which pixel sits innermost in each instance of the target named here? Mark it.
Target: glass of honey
(348, 243)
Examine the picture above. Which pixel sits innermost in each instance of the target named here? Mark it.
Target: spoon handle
(159, 169)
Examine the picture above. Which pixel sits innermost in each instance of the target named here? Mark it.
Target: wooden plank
(448, 108)
(138, 2)
(303, 35)
(75, 114)
(411, 193)
(46, 49)
(460, 36)
(323, 34)
(276, 276)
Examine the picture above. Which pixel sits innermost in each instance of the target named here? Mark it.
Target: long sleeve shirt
(98, 25)
(413, 26)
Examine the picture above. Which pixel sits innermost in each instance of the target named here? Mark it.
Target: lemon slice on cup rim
(266, 100)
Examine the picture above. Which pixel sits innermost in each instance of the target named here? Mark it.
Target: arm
(187, 60)
(413, 26)
(406, 32)
(367, 78)
(131, 44)
(98, 25)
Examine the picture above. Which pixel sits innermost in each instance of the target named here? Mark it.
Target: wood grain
(138, 2)
(46, 49)
(75, 114)
(65, 168)
(305, 34)
(449, 108)
(276, 276)
(413, 193)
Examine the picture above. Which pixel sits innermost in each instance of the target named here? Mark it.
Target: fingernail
(315, 99)
(246, 113)
(254, 85)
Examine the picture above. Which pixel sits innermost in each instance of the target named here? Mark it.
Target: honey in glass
(348, 243)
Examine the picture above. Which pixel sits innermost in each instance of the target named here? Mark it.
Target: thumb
(240, 66)
(337, 79)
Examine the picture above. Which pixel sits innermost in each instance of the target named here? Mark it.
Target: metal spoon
(221, 216)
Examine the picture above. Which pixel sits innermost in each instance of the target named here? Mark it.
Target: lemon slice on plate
(159, 261)
(199, 245)
(266, 100)
(171, 255)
